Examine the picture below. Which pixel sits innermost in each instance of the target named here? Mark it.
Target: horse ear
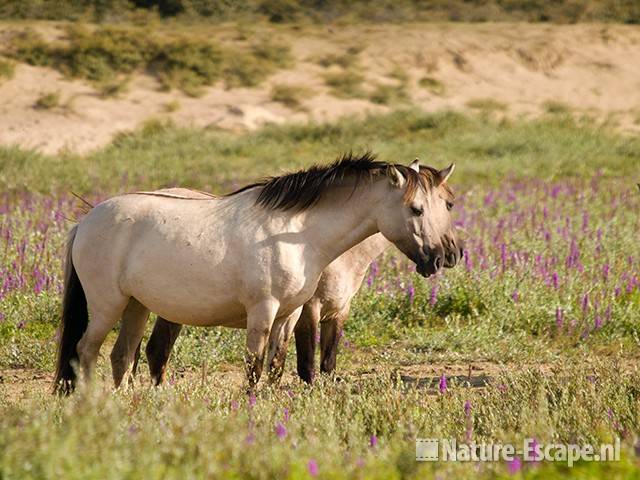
(395, 177)
(444, 174)
(415, 165)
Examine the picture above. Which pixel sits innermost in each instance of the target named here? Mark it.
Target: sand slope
(594, 69)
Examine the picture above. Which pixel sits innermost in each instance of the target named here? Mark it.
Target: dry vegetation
(344, 11)
(106, 55)
(233, 76)
(7, 69)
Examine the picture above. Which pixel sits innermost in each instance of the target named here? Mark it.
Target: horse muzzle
(453, 254)
(431, 260)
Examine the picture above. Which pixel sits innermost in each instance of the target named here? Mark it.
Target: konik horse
(250, 259)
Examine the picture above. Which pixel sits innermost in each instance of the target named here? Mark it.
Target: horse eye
(417, 211)
(449, 205)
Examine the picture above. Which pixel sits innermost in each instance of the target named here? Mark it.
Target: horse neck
(342, 220)
(371, 248)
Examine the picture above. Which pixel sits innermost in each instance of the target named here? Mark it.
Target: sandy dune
(593, 69)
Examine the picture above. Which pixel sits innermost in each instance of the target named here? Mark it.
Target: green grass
(290, 96)
(434, 85)
(48, 101)
(394, 94)
(486, 104)
(348, 59)
(160, 154)
(346, 84)
(533, 186)
(385, 94)
(555, 107)
(195, 430)
(114, 88)
(7, 69)
(172, 106)
(399, 74)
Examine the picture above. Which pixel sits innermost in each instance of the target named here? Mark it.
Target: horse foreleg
(134, 319)
(279, 343)
(260, 318)
(330, 333)
(306, 331)
(159, 347)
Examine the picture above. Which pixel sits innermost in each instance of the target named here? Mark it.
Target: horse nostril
(437, 262)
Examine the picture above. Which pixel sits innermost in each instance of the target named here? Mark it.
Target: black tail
(75, 319)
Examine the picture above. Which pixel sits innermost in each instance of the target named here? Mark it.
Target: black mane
(303, 189)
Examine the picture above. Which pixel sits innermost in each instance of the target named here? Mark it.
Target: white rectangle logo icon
(426, 450)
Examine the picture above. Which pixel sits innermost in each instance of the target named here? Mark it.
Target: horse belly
(184, 283)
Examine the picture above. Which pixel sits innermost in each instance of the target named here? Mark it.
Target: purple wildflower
(285, 413)
(514, 465)
(597, 322)
(503, 256)
(252, 400)
(433, 298)
(442, 386)
(411, 293)
(281, 431)
(374, 269)
(559, 317)
(312, 466)
(585, 302)
(373, 441)
(468, 264)
(515, 296)
(467, 408)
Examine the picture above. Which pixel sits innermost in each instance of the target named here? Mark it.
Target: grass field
(544, 309)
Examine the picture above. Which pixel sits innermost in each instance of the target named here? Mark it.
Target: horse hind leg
(136, 360)
(159, 347)
(103, 317)
(134, 319)
(305, 332)
(278, 344)
(330, 333)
